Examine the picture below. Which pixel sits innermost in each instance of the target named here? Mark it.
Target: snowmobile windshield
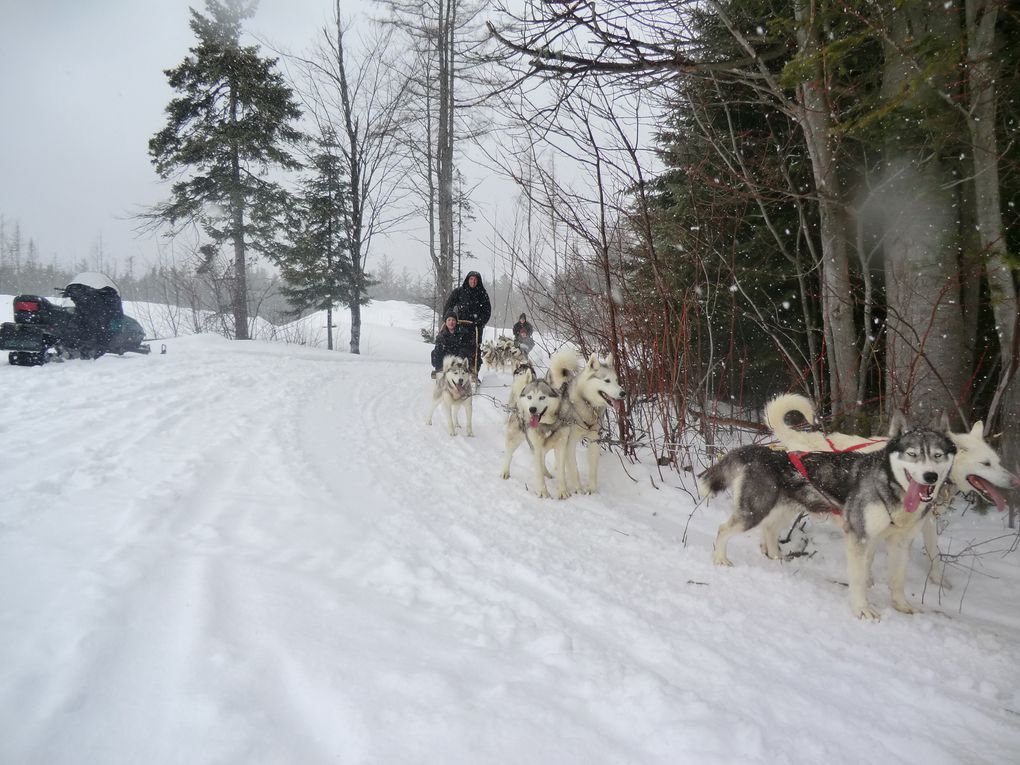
(95, 280)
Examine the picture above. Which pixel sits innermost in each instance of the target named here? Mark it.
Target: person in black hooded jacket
(471, 303)
(451, 340)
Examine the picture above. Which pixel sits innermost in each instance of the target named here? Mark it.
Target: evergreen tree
(316, 265)
(230, 124)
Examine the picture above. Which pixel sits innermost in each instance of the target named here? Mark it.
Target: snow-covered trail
(242, 553)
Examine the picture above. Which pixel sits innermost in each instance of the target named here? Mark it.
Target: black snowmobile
(94, 325)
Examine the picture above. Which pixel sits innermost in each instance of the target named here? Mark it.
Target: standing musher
(471, 302)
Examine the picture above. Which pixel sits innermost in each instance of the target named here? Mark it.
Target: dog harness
(579, 419)
(855, 447)
(798, 463)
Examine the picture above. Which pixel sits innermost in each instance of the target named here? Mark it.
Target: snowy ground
(258, 553)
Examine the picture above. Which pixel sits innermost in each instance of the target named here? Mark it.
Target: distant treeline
(187, 285)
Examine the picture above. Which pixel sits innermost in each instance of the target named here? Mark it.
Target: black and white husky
(453, 391)
(977, 467)
(883, 495)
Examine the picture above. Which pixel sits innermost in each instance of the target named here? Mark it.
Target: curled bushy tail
(714, 480)
(791, 417)
(563, 366)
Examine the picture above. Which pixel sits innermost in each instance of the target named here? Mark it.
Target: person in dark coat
(522, 332)
(99, 314)
(471, 302)
(451, 340)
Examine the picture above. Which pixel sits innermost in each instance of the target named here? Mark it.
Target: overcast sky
(83, 91)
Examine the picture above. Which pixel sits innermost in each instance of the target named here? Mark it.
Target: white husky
(453, 390)
(977, 467)
(589, 393)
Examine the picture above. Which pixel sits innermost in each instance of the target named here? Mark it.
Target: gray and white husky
(524, 373)
(976, 468)
(535, 418)
(453, 391)
(589, 392)
(882, 495)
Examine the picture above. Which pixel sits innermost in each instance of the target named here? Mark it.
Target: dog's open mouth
(615, 403)
(917, 493)
(987, 491)
(535, 420)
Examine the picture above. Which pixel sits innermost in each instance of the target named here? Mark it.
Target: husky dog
(453, 390)
(589, 392)
(501, 354)
(882, 495)
(535, 418)
(524, 373)
(977, 467)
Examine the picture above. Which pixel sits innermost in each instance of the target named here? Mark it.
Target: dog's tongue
(535, 419)
(912, 500)
(989, 491)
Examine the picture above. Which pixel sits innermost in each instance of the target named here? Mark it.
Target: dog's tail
(563, 366)
(718, 477)
(792, 419)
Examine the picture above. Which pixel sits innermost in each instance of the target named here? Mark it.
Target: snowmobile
(93, 325)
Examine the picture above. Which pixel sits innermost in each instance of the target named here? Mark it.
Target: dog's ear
(978, 429)
(898, 424)
(941, 423)
(610, 361)
(593, 361)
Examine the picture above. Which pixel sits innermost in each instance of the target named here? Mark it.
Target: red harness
(855, 447)
(797, 462)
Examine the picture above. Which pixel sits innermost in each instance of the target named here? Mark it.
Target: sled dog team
(885, 489)
(502, 355)
(552, 413)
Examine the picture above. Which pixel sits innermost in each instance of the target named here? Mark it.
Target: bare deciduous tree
(359, 97)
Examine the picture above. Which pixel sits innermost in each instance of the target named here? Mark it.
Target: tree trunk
(355, 326)
(980, 24)
(239, 294)
(444, 148)
(357, 187)
(924, 326)
(836, 289)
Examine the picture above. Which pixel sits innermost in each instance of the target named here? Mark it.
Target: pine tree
(316, 265)
(228, 127)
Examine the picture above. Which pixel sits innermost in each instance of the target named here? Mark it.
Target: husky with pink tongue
(535, 418)
(919, 461)
(882, 495)
(977, 468)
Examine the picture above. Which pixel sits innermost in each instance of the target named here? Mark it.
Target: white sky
(83, 91)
